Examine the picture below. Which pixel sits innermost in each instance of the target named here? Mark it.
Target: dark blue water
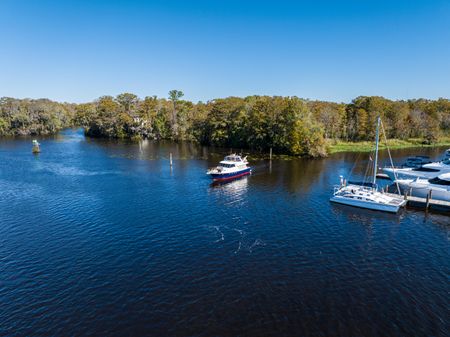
(103, 238)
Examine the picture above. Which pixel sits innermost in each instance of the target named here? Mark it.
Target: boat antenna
(375, 163)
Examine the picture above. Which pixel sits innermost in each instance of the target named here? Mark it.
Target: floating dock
(426, 203)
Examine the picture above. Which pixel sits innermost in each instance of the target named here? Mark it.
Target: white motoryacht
(231, 167)
(366, 195)
(426, 171)
(420, 187)
(416, 161)
(446, 154)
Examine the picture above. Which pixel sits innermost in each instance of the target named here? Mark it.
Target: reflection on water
(234, 186)
(103, 237)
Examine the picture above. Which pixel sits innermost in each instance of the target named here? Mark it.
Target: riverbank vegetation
(21, 117)
(289, 125)
(335, 146)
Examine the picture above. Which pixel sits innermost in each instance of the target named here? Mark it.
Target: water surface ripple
(104, 238)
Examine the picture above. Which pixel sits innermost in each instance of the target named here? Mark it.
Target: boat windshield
(426, 169)
(227, 165)
(438, 181)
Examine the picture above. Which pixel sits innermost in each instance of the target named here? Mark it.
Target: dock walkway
(427, 203)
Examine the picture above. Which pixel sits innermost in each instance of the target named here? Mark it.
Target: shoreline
(394, 144)
(333, 146)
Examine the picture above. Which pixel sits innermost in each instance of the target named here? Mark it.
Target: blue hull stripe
(231, 175)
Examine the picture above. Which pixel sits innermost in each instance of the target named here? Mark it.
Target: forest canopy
(289, 125)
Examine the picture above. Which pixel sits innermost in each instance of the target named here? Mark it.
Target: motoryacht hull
(367, 204)
(422, 190)
(407, 173)
(413, 173)
(230, 175)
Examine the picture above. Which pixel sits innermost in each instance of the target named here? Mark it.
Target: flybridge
(233, 158)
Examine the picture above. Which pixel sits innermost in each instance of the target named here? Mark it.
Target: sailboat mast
(375, 163)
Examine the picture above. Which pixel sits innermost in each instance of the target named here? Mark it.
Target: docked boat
(366, 197)
(231, 167)
(366, 194)
(422, 170)
(416, 161)
(419, 187)
(446, 154)
(427, 171)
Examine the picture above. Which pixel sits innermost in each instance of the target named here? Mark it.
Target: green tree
(127, 101)
(174, 97)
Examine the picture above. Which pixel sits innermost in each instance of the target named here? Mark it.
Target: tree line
(20, 117)
(289, 125)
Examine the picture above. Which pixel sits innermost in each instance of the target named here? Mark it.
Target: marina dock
(426, 203)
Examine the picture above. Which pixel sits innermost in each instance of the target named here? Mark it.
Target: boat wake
(243, 243)
(258, 242)
(222, 237)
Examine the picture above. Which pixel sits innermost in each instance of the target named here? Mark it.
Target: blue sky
(330, 50)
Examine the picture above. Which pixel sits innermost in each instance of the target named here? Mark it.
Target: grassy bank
(366, 146)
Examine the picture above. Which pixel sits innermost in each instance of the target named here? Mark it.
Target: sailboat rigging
(366, 195)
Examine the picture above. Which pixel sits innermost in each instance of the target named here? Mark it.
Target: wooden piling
(428, 199)
(170, 158)
(270, 154)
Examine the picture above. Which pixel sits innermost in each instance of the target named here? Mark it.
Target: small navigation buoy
(36, 148)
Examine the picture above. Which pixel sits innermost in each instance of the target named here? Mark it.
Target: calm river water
(103, 238)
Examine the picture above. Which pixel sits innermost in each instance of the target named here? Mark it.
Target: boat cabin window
(227, 165)
(437, 181)
(426, 169)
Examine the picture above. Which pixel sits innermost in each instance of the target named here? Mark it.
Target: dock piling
(427, 202)
(170, 158)
(270, 154)
(428, 199)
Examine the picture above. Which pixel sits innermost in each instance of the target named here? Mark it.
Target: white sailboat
(367, 195)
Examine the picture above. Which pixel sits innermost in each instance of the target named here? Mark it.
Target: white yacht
(232, 166)
(366, 195)
(426, 171)
(416, 161)
(447, 154)
(420, 187)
